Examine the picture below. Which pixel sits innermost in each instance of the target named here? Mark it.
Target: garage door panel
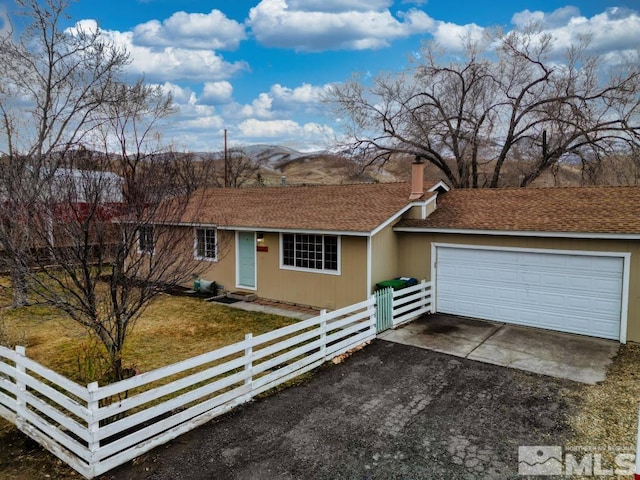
(485, 310)
(603, 306)
(606, 285)
(554, 300)
(565, 292)
(555, 280)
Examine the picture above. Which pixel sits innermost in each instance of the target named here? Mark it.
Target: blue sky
(258, 69)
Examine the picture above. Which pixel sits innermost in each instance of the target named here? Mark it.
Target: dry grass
(170, 330)
(607, 415)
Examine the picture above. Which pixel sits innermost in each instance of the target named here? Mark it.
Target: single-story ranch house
(565, 259)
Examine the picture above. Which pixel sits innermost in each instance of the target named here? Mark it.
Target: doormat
(226, 300)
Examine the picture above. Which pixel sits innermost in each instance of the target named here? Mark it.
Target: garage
(574, 292)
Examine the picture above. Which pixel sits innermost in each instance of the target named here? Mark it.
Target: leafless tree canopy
(241, 169)
(87, 186)
(509, 104)
(52, 83)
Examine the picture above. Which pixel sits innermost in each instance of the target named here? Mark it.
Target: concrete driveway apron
(562, 355)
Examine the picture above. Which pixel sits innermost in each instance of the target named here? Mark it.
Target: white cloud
(417, 21)
(191, 30)
(260, 107)
(275, 24)
(172, 63)
(334, 6)
(286, 131)
(615, 29)
(452, 36)
(87, 25)
(209, 123)
(5, 26)
(179, 94)
(216, 93)
(306, 93)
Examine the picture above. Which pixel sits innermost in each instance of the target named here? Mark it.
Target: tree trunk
(19, 286)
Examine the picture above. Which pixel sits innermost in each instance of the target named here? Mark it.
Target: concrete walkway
(283, 311)
(276, 308)
(574, 357)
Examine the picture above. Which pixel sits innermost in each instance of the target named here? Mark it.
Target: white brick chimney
(417, 178)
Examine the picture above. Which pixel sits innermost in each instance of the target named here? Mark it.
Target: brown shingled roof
(349, 208)
(575, 209)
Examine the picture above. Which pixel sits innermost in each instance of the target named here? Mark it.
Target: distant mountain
(319, 167)
(267, 155)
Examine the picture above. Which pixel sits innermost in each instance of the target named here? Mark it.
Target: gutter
(521, 233)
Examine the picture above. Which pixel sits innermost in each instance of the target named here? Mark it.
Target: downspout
(369, 266)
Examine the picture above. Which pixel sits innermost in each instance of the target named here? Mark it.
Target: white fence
(411, 302)
(94, 429)
(395, 307)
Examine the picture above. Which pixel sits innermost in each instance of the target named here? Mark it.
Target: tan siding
(304, 288)
(414, 213)
(384, 256)
(416, 258)
(431, 207)
(314, 289)
(223, 271)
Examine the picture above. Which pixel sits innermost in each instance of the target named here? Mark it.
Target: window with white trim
(309, 251)
(145, 239)
(206, 243)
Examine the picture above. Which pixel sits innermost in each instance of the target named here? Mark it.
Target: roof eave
(522, 233)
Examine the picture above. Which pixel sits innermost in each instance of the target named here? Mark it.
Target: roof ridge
(564, 187)
(299, 186)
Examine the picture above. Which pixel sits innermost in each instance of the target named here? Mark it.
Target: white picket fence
(94, 429)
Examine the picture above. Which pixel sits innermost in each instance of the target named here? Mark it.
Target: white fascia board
(522, 233)
(423, 204)
(438, 185)
(345, 233)
(193, 224)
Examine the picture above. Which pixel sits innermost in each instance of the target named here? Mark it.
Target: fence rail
(95, 429)
(409, 303)
(395, 307)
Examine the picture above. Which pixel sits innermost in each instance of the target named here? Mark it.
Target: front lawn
(170, 330)
(173, 328)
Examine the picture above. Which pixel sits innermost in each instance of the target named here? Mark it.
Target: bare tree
(99, 238)
(241, 169)
(52, 81)
(115, 246)
(508, 107)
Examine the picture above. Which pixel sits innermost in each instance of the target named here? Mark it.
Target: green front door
(246, 266)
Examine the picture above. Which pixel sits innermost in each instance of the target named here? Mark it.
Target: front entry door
(246, 263)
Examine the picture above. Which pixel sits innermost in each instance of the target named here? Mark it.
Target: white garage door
(569, 293)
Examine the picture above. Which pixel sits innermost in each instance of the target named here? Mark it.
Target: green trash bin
(397, 283)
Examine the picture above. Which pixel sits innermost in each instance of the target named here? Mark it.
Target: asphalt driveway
(390, 411)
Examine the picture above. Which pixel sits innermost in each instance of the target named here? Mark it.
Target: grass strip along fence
(97, 428)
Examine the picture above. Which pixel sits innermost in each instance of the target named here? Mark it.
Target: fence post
(93, 426)
(323, 334)
(248, 363)
(21, 387)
